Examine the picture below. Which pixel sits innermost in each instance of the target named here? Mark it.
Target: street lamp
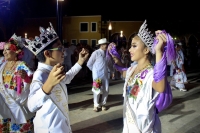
(109, 30)
(59, 18)
(121, 35)
(25, 35)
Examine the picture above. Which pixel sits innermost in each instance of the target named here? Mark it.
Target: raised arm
(160, 77)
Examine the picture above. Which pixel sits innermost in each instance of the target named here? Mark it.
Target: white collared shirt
(48, 116)
(98, 64)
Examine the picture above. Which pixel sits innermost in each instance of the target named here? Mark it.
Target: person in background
(99, 65)
(68, 57)
(179, 78)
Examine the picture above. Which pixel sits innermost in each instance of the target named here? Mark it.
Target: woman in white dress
(15, 78)
(142, 87)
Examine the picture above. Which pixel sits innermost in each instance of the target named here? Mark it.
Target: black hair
(40, 56)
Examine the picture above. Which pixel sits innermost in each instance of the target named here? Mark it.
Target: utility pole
(59, 19)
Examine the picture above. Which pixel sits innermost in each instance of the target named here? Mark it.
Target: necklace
(9, 68)
(137, 72)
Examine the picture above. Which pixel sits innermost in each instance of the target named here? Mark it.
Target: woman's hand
(162, 39)
(22, 73)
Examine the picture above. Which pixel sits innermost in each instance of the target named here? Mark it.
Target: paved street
(182, 116)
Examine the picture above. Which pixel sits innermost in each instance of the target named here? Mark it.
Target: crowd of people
(33, 88)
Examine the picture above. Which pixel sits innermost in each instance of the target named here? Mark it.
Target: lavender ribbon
(160, 71)
(114, 52)
(119, 68)
(169, 48)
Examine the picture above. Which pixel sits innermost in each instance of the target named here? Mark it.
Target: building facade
(85, 29)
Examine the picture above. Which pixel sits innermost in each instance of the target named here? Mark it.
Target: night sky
(162, 14)
(110, 9)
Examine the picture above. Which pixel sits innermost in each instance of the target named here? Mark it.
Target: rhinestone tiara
(146, 36)
(18, 40)
(39, 43)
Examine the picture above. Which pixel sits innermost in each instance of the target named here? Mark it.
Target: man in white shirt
(48, 92)
(99, 66)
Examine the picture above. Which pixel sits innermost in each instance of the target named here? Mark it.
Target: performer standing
(15, 78)
(48, 92)
(146, 85)
(99, 66)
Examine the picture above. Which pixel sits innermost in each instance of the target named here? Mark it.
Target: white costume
(178, 78)
(99, 66)
(179, 62)
(2, 59)
(139, 111)
(14, 105)
(51, 110)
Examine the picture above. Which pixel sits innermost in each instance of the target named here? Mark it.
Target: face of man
(104, 46)
(56, 53)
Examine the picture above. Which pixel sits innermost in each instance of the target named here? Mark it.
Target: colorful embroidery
(10, 78)
(133, 90)
(4, 126)
(7, 127)
(97, 84)
(134, 85)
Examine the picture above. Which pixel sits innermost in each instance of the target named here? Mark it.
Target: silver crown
(146, 36)
(39, 43)
(18, 40)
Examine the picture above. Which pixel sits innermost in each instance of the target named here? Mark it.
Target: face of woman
(138, 50)
(9, 54)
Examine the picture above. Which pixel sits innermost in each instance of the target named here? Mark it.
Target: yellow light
(25, 35)
(110, 26)
(121, 35)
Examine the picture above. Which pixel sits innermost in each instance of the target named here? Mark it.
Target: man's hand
(83, 56)
(56, 75)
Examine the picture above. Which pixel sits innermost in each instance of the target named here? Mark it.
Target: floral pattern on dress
(4, 126)
(7, 127)
(10, 79)
(97, 84)
(134, 85)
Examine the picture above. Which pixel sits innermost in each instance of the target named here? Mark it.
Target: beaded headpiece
(39, 43)
(146, 36)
